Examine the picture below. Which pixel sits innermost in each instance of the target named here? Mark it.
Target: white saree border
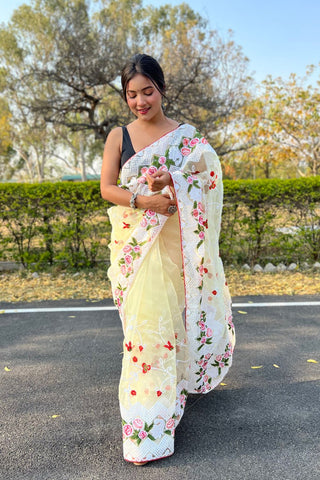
(154, 385)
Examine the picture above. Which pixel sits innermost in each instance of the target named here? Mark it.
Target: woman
(166, 274)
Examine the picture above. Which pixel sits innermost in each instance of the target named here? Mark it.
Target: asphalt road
(264, 423)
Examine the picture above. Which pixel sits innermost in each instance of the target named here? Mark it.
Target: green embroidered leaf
(151, 437)
(168, 432)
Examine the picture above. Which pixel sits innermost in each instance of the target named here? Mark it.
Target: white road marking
(95, 309)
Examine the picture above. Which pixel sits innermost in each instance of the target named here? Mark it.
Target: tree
(283, 128)
(62, 58)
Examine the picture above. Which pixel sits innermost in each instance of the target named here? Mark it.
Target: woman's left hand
(158, 180)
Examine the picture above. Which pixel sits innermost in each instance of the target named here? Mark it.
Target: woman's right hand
(159, 203)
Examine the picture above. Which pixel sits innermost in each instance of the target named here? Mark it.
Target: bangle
(133, 200)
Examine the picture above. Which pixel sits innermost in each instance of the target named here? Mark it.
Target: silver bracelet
(133, 200)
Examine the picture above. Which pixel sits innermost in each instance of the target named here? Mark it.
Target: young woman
(166, 274)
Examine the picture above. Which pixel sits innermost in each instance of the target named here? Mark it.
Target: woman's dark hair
(145, 65)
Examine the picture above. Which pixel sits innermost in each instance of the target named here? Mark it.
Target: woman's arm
(109, 177)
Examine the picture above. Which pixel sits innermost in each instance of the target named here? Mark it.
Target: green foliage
(67, 223)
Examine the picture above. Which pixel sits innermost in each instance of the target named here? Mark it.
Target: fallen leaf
(244, 313)
(223, 384)
(7, 369)
(275, 365)
(71, 316)
(257, 366)
(312, 361)
(2, 311)
(55, 416)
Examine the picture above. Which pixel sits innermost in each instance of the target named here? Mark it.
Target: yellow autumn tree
(281, 125)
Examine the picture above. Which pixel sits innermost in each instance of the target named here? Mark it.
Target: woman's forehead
(139, 82)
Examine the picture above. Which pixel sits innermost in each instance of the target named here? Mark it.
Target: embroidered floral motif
(149, 220)
(202, 223)
(145, 368)
(118, 295)
(206, 333)
(230, 324)
(169, 346)
(131, 252)
(129, 346)
(212, 181)
(139, 430)
(222, 360)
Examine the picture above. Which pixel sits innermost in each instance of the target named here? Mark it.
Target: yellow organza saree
(169, 286)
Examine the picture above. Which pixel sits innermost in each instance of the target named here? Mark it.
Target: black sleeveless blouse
(127, 148)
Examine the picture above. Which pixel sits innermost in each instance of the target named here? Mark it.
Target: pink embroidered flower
(152, 170)
(163, 168)
(185, 151)
(183, 400)
(118, 302)
(144, 222)
(137, 423)
(127, 430)
(136, 248)
(185, 141)
(150, 213)
(201, 235)
(170, 424)
(142, 434)
(203, 140)
(190, 179)
(153, 221)
(209, 332)
(142, 179)
(203, 340)
(226, 355)
(202, 326)
(128, 259)
(200, 220)
(219, 358)
(194, 142)
(117, 292)
(162, 160)
(127, 248)
(129, 269)
(201, 269)
(195, 212)
(144, 170)
(221, 364)
(205, 364)
(205, 378)
(201, 207)
(123, 269)
(207, 356)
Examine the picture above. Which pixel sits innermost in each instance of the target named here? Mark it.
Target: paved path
(264, 423)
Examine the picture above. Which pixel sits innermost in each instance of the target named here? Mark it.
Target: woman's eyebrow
(144, 88)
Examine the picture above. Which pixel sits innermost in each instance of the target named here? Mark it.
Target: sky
(278, 36)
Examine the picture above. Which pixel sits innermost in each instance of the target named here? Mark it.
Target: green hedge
(67, 223)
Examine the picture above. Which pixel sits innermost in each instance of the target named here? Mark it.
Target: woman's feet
(140, 463)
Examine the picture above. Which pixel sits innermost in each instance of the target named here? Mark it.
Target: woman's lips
(143, 111)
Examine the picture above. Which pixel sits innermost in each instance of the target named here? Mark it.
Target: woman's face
(144, 99)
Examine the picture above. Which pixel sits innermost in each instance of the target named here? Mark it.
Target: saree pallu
(169, 286)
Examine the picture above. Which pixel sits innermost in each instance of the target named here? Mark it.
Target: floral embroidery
(192, 180)
(212, 181)
(230, 324)
(169, 346)
(206, 333)
(139, 430)
(222, 361)
(129, 346)
(118, 295)
(145, 368)
(131, 251)
(202, 223)
(149, 220)
(202, 372)
(126, 225)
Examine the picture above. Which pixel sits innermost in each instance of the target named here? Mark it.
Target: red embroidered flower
(212, 174)
(169, 346)
(133, 392)
(134, 359)
(159, 393)
(140, 348)
(129, 346)
(145, 368)
(126, 225)
(214, 292)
